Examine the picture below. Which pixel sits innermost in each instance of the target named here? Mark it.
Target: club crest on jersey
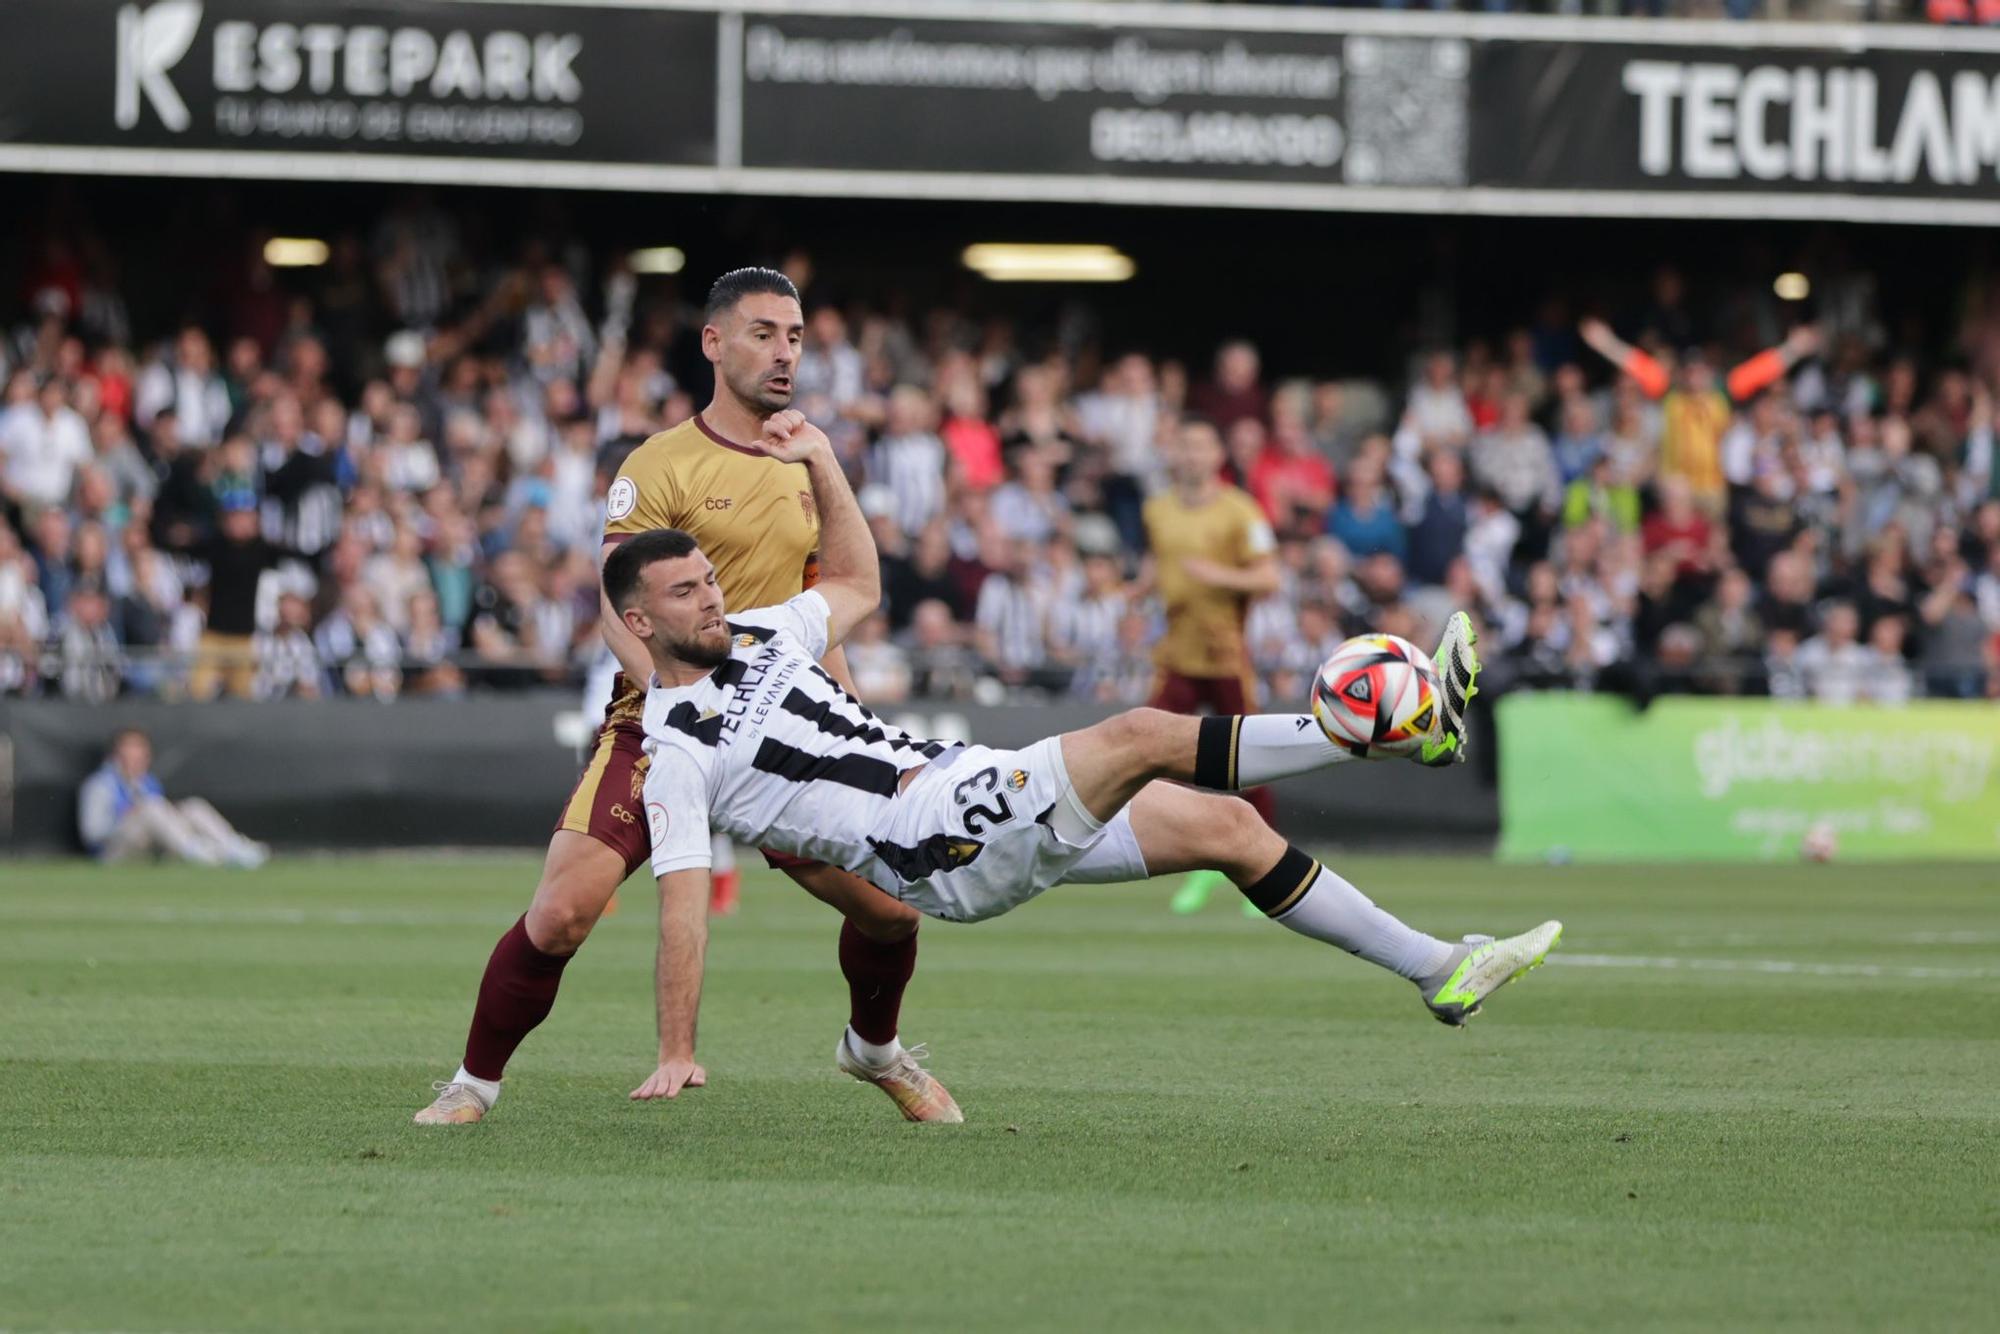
(656, 821)
(622, 499)
(806, 504)
(1017, 780)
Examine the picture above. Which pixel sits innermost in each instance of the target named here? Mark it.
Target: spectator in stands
(1732, 636)
(910, 460)
(1364, 518)
(1289, 477)
(881, 669)
(123, 812)
(1437, 534)
(358, 649)
(1836, 666)
(237, 557)
(44, 442)
(1236, 392)
(472, 471)
(90, 654)
(187, 385)
(1436, 410)
(1029, 506)
(288, 662)
(1515, 461)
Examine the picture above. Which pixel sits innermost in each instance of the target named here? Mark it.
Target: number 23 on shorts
(979, 819)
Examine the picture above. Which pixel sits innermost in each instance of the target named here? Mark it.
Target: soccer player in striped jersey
(756, 516)
(750, 736)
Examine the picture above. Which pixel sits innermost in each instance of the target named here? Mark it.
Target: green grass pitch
(1740, 1099)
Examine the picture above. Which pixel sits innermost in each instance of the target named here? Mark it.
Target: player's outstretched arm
(850, 571)
(677, 977)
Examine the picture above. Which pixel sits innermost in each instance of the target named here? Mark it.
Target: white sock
(875, 1056)
(1339, 914)
(487, 1089)
(1270, 746)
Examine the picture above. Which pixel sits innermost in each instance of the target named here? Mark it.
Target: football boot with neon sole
(1458, 672)
(915, 1091)
(456, 1105)
(1480, 966)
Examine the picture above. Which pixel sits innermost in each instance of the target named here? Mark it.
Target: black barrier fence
(1133, 103)
(493, 771)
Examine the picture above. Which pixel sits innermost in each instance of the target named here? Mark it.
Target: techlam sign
(1718, 122)
(473, 79)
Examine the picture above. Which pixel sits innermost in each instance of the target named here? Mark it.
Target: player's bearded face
(703, 646)
(688, 624)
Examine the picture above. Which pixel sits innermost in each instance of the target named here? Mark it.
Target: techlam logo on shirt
(151, 42)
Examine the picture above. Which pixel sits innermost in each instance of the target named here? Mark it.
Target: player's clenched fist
(789, 438)
(670, 1079)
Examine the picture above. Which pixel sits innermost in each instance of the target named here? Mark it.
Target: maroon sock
(516, 994)
(876, 973)
(1265, 802)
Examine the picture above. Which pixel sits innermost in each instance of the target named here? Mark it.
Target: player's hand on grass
(669, 1080)
(789, 438)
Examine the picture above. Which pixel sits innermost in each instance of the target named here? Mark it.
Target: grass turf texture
(1786, 1119)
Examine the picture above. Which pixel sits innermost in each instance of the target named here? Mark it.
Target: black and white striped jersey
(770, 750)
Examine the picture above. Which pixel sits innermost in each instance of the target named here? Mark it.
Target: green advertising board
(1593, 778)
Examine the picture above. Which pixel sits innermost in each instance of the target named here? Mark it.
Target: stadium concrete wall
(493, 771)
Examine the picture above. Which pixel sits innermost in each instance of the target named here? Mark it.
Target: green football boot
(1480, 966)
(1458, 672)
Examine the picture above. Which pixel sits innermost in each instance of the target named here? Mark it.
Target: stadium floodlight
(295, 252)
(1792, 287)
(1003, 262)
(657, 259)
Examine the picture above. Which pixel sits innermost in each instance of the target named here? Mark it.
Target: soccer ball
(1377, 697)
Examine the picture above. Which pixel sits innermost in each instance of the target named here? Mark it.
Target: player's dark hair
(733, 286)
(624, 566)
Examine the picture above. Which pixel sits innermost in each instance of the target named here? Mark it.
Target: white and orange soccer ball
(1378, 697)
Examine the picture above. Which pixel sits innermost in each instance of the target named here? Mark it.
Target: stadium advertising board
(412, 77)
(1060, 101)
(1593, 778)
(1629, 117)
(1067, 100)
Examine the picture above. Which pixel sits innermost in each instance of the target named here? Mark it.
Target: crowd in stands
(387, 478)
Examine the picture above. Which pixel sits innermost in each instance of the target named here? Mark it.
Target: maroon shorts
(1190, 694)
(609, 803)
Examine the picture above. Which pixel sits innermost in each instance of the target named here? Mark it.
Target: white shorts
(973, 835)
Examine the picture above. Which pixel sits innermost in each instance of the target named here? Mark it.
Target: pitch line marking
(1669, 963)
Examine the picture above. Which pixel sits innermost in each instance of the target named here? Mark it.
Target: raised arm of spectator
(850, 569)
(1752, 377)
(1644, 369)
(603, 385)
